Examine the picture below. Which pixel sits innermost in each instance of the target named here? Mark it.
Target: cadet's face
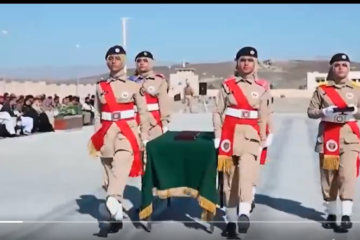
(114, 63)
(142, 64)
(246, 65)
(341, 69)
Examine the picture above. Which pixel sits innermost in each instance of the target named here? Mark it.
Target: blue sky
(47, 34)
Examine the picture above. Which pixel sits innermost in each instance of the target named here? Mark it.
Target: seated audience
(33, 109)
(23, 115)
(22, 124)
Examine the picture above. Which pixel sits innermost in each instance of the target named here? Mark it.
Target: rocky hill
(282, 74)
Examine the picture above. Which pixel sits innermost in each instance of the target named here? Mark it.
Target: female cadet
(242, 104)
(338, 142)
(156, 94)
(116, 137)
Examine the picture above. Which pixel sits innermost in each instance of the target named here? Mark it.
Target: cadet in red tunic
(116, 139)
(338, 141)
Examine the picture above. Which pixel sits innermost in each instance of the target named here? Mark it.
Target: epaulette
(229, 79)
(98, 82)
(132, 78)
(262, 82)
(160, 75)
(322, 84)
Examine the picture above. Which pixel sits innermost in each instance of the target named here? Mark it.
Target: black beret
(246, 52)
(115, 50)
(146, 54)
(339, 57)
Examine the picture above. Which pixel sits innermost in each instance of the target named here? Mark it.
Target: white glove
(356, 110)
(269, 140)
(165, 129)
(217, 142)
(329, 111)
(16, 112)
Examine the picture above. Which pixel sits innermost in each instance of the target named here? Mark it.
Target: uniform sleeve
(220, 106)
(164, 104)
(263, 115)
(314, 110)
(97, 108)
(142, 111)
(357, 115)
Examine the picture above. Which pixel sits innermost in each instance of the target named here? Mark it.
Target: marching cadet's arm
(314, 110)
(357, 112)
(220, 106)
(97, 109)
(164, 104)
(143, 112)
(263, 116)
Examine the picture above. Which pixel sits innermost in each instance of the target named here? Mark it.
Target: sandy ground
(50, 184)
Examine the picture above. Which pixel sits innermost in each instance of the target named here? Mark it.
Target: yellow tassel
(331, 162)
(209, 209)
(92, 151)
(225, 163)
(146, 212)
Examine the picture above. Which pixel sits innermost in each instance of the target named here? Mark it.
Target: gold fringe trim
(225, 163)
(92, 151)
(146, 212)
(208, 206)
(209, 209)
(331, 162)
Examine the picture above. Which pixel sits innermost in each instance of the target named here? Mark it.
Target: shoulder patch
(142, 91)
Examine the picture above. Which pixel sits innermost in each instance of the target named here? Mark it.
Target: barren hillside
(282, 74)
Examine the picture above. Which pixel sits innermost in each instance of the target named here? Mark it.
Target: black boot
(243, 223)
(346, 222)
(252, 206)
(230, 231)
(330, 222)
(115, 226)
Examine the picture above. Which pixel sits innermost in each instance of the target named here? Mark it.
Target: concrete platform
(52, 187)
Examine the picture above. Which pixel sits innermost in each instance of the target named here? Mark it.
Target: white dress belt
(119, 115)
(150, 107)
(339, 118)
(241, 113)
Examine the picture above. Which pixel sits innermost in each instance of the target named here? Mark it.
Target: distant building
(315, 79)
(178, 81)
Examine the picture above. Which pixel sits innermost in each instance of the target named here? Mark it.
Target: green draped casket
(181, 164)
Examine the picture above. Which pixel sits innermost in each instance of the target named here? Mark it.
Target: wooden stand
(68, 122)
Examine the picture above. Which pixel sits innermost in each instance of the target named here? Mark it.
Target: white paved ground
(49, 182)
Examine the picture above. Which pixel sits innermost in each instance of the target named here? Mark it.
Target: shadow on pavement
(185, 210)
(290, 207)
(89, 205)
